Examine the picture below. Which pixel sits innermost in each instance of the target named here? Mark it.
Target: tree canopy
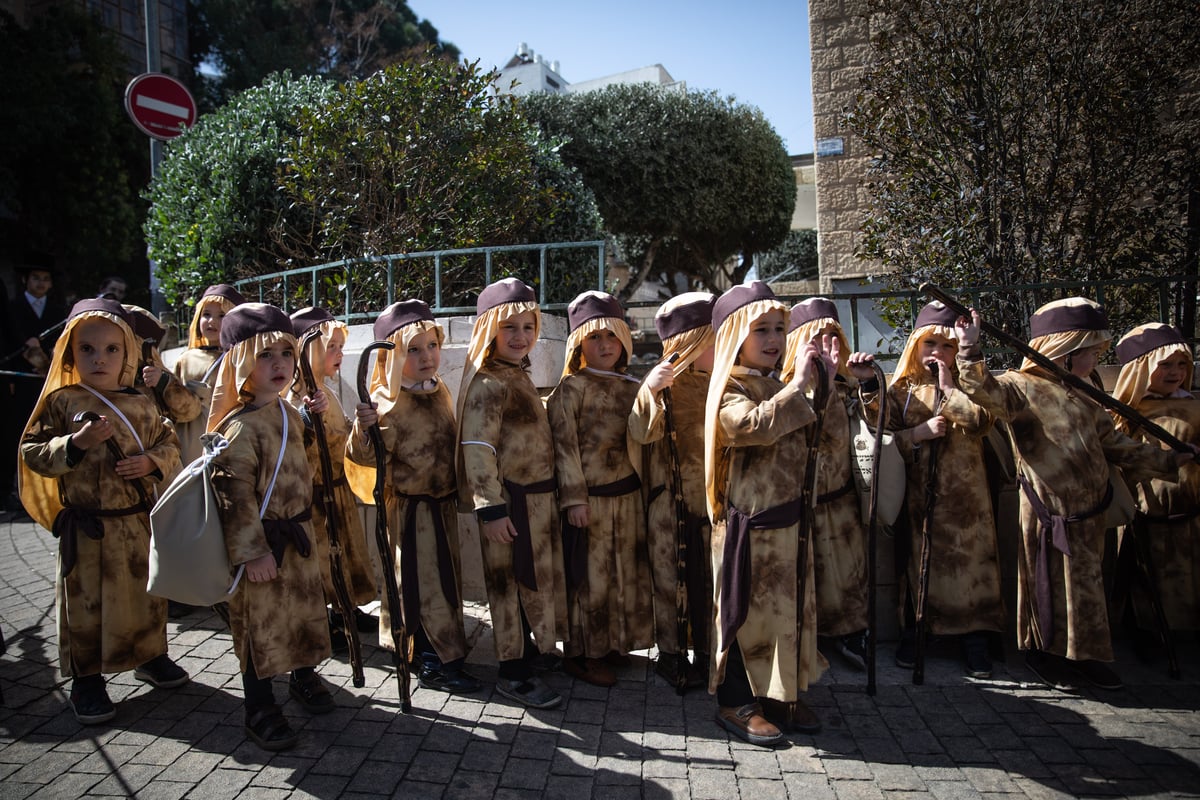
(245, 41)
(1030, 142)
(420, 156)
(691, 185)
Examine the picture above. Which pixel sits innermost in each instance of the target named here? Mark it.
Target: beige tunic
(1174, 546)
(964, 570)
(763, 424)
(106, 620)
(281, 622)
(503, 411)
(175, 400)
(647, 425)
(191, 368)
(356, 557)
(839, 537)
(1061, 441)
(612, 609)
(418, 435)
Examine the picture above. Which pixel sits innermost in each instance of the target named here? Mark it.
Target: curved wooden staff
(329, 500)
(931, 477)
(873, 524)
(387, 556)
(682, 664)
(808, 501)
(118, 454)
(1100, 396)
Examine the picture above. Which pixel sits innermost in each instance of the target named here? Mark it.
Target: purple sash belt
(574, 539)
(518, 511)
(1052, 533)
(735, 572)
(409, 581)
(282, 532)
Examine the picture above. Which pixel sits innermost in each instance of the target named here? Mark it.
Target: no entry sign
(159, 105)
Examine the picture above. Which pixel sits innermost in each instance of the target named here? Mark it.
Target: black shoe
(667, 665)
(89, 700)
(906, 651)
(179, 610)
(308, 690)
(1097, 674)
(162, 673)
(269, 730)
(853, 649)
(338, 642)
(365, 622)
(1052, 670)
(449, 681)
(1147, 645)
(975, 655)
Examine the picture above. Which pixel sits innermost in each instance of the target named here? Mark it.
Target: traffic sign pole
(158, 303)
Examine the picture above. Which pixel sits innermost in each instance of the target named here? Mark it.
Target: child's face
(935, 347)
(211, 315)
(1169, 374)
(516, 337)
(333, 351)
(602, 349)
(274, 370)
(764, 344)
(38, 282)
(1080, 363)
(98, 350)
(423, 358)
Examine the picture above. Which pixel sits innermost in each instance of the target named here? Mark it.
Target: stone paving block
(667, 765)
(223, 783)
(469, 785)
(484, 756)
(341, 760)
(882, 751)
(663, 740)
(847, 768)
(953, 790)
(712, 784)
(569, 762)
(447, 738)
(394, 747)
(283, 772)
(897, 777)
(19, 791)
(525, 773)
(534, 744)
(323, 787)
(855, 790)
(510, 793)
(46, 767)
(866, 726)
(67, 785)
(568, 787)
(762, 788)
(800, 759)
(624, 744)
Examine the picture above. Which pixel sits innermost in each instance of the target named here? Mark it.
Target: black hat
(226, 291)
(1082, 316)
(249, 320)
(593, 305)
(739, 296)
(685, 317)
(810, 309)
(1151, 337)
(306, 319)
(936, 313)
(505, 290)
(399, 314)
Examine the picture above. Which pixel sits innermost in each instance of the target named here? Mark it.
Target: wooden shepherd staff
(873, 524)
(682, 665)
(329, 500)
(918, 677)
(387, 556)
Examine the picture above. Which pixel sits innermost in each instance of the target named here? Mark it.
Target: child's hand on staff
(151, 375)
(580, 516)
(262, 569)
(500, 531)
(661, 377)
(366, 414)
(318, 403)
(967, 330)
(859, 365)
(932, 428)
(93, 433)
(135, 467)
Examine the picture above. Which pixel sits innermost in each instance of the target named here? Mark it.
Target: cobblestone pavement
(950, 738)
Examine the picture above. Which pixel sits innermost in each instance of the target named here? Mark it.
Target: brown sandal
(269, 730)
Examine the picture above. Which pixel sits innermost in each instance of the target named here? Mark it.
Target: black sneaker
(162, 673)
(906, 651)
(457, 681)
(1097, 674)
(1052, 670)
(975, 655)
(853, 649)
(89, 700)
(364, 622)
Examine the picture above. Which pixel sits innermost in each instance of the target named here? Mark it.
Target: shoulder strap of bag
(117, 411)
(278, 461)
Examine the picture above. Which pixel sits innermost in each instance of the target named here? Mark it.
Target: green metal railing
(285, 289)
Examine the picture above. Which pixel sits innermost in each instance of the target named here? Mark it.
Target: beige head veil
(1064, 326)
(588, 313)
(222, 295)
(733, 314)
(684, 324)
(246, 331)
(808, 319)
(1140, 352)
(933, 319)
(39, 494)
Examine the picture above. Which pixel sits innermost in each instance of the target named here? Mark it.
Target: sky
(754, 50)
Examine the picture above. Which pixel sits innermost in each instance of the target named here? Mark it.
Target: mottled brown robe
(356, 557)
(106, 620)
(612, 610)
(502, 408)
(647, 425)
(175, 401)
(281, 622)
(839, 537)
(763, 424)
(418, 435)
(1174, 546)
(964, 569)
(1061, 441)
(190, 369)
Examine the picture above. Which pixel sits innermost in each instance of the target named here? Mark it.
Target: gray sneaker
(533, 693)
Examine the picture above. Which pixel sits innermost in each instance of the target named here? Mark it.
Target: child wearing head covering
(940, 432)
(195, 365)
(324, 353)
(684, 325)
(175, 400)
(505, 464)
(73, 483)
(839, 538)
(1061, 441)
(1156, 379)
(412, 406)
(756, 448)
(277, 614)
(609, 599)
